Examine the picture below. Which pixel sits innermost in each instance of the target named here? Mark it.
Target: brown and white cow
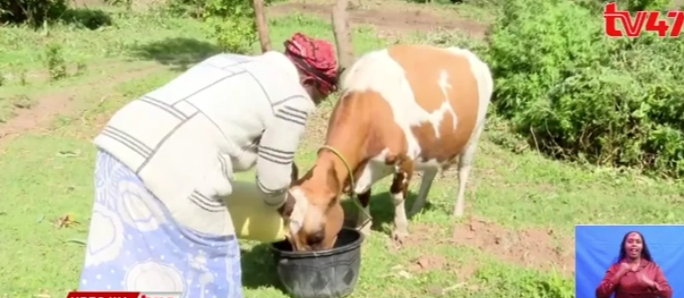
(403, 108)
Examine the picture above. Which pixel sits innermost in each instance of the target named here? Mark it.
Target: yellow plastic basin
(252, 218)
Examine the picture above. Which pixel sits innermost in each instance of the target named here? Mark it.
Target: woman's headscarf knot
(316, 58)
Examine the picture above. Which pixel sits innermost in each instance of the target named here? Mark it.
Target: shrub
(229, 22)
(573, 93)
(233, 35)
(54, 61)
(33, 12)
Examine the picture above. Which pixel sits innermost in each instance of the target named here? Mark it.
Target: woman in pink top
(635, 275)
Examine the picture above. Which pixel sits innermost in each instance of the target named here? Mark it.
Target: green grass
(44, 175)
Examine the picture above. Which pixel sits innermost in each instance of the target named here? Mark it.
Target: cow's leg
(465, 162)
(398, 198)
(425, 185)
(363, 221)
(399, 192)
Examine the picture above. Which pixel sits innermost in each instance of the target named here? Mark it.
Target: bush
(229, 22)
(233, 35)
(33, 12)
(573, 93)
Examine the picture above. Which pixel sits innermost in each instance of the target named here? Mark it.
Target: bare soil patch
(538, 248)
(421, 233)
(27, 119)
(387, 19)
(61, 102)
(429, 263)
(532, 247)
(426, 234)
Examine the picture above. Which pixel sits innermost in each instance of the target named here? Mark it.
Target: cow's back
(432, 94)
(447, 100)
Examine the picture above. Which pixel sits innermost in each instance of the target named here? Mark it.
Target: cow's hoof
(399, 237)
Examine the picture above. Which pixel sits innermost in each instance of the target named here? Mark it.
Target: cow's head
(317, 215)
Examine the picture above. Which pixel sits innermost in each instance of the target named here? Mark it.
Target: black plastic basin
(320, 274)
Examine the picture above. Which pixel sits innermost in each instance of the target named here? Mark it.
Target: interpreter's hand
(656, 286)
(624, 268)
(647, 281)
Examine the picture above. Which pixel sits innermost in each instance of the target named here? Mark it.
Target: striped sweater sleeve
(277, 149)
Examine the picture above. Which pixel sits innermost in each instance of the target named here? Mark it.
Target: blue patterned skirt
(135, 245)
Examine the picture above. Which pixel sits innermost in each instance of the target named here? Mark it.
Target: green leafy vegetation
(574, 93)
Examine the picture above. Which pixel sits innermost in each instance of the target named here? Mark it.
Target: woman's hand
(647, 281)
(656, 286)
(624, 268)
(286, 210)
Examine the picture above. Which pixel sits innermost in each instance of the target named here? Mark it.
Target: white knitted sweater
(187, 138)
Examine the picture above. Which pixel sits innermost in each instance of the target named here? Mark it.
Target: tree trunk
(343, 39)
(262, 25)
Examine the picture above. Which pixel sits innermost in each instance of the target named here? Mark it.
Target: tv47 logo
(648, 21)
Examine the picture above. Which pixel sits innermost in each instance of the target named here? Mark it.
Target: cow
(402, 109)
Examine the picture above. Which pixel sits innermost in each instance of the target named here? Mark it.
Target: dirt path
(51, 104)
(388, 19)
(537, 248)
(532, 247)
(392, 19)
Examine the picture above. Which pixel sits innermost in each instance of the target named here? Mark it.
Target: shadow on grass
(382, 211)
(87, 18)
(177, 52)
(258, 268)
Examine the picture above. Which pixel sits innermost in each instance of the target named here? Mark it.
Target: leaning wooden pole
(342, 33)
(262, 25)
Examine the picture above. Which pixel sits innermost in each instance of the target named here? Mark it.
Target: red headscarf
(315, 58)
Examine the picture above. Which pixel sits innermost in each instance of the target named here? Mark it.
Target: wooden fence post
(262, 25)
(342, 33)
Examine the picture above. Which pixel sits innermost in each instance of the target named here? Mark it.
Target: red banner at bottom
(124, 295)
